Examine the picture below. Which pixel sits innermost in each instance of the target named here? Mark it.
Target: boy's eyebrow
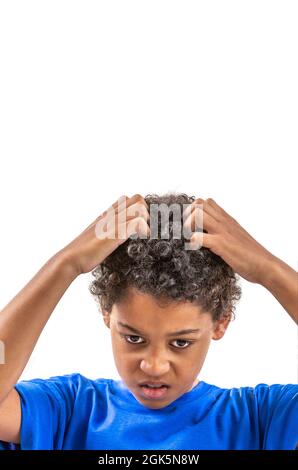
(174, 333)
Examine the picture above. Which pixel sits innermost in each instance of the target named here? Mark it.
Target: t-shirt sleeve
(278, 415)
(46, 406)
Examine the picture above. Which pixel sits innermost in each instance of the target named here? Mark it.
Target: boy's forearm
(24, 317)
(282, 281)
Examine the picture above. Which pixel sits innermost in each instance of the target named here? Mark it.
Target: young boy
(163, 304)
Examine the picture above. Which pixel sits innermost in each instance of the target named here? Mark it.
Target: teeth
(154, 386)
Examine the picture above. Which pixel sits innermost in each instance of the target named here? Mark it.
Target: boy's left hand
(227, 239)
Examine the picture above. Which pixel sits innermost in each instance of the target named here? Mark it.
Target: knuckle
(197, 236)
(217, 240)
(123, 197)
(132, 221)
(139, 220)
(118, 205)
(136, 210)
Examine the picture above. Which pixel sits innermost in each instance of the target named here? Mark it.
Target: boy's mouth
(154, 391)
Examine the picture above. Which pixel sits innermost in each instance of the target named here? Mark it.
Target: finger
(208, 208)
(199, 219)
(101, 216)
(112, 209)
(133, 206)
(130, 218)
(200, 239)
(123, 210)
(213, 209)
(137, 227)
(217, 208)
(190, 207)
(137, 198)
(108, 213)
(137, 210)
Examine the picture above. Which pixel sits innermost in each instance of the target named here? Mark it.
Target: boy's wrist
(269, 272)
(65, 262)
(274, 271)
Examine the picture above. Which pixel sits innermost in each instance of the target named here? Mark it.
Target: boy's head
(157, 287)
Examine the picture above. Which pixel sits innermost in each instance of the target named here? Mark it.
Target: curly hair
(163, 268)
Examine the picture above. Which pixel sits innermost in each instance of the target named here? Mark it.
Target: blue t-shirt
(74, 412)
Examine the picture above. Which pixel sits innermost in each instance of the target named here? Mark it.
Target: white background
(104, 98)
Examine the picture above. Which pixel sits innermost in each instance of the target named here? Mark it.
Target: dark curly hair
(166, 270)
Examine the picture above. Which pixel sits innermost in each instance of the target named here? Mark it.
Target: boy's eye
(176, 340)
(132, 336)
(182, 341)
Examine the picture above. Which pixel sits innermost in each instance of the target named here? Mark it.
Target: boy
(163, 304)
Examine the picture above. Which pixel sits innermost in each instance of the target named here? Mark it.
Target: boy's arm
(21, 323)
(24, 317)
(228, 239)
(282, 281)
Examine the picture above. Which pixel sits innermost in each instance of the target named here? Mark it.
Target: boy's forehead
(134, 301)
(142, 309)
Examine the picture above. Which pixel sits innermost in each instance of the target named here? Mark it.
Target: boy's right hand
(105, 234)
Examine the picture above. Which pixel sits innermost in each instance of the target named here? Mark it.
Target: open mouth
(154, 392)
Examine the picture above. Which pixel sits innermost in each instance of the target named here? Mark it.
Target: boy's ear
(106, 318)
(221, 326)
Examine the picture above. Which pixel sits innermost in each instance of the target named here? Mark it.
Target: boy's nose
(154, 366)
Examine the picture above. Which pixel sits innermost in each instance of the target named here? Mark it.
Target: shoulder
(67, 386)
(259, 389)
(267, 403)
(267, 412)
(277, 396)
(275, 392)
(259, 394)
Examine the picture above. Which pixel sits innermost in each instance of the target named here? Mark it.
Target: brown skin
(23, 319)
(156, 359)
(228, 239)
(160, 357)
